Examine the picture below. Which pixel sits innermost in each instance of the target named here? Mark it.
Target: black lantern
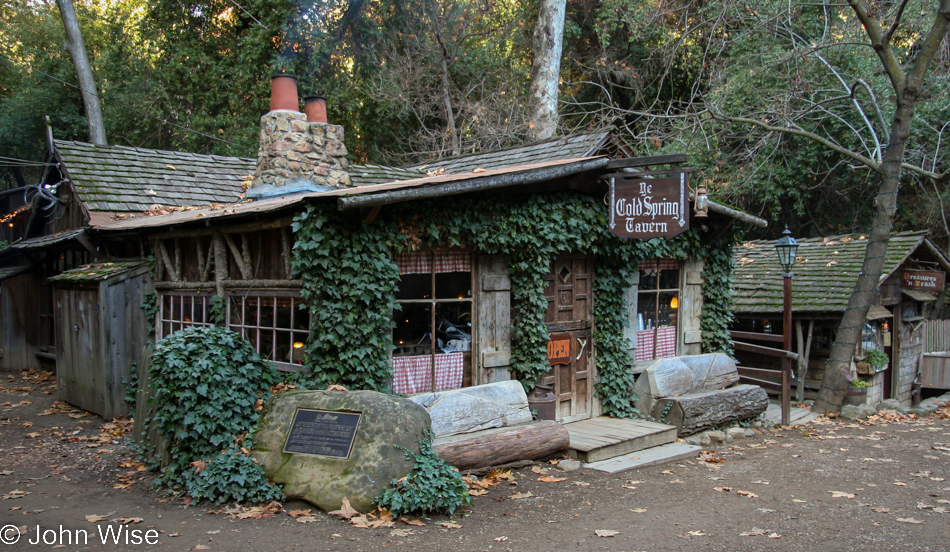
(787, 248)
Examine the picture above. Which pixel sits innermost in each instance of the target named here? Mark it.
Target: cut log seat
(694, 412)
(494, 447)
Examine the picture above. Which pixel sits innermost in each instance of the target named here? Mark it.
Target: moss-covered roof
(130, 180)
(573, 146)
(96, 272)
(825, 272)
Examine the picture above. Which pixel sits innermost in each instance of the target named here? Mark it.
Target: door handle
(583, 343)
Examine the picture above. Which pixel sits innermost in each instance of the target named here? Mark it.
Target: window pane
(237, 307)
(667, 314)
(454, 327)
(266, 347)
(267, 312)
(414, 286)
(670, 279)
(250, 311)
(648, 280)
(283, 350)
(412, 332)
(301, 317)
(646, 311)
(453, 285)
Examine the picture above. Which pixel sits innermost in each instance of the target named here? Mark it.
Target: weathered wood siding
(910, 345)
(19, 323)
(690, 336)
(493, 330)
(936, 336)
(101, 334)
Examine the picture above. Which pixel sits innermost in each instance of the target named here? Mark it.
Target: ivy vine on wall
(350, 277)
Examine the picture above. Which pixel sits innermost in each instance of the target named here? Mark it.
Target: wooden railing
(777, 381)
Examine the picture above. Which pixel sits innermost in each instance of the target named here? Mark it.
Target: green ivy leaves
(350, 279)
(205, 382)
(431, 486)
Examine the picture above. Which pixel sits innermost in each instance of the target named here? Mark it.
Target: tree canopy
(413, 80)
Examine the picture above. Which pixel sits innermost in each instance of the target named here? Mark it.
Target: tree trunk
(546, 69)
(804, 352)
(87, 84)
(694, 412)
(494, 448)
(907, 88)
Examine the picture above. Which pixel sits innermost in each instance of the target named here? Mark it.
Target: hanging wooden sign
(923, 280)
(646, 208)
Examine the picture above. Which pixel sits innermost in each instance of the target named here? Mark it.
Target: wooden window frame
(468, 374)
(677, 293)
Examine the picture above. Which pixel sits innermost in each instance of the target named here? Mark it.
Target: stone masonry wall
(291, 148)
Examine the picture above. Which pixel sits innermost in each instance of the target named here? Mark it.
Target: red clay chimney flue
(283, 93)
(316, 109)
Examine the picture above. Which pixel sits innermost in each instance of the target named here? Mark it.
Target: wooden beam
(232, 229)
(231, 284)
(220, 264)
(762, 350)
(756, 336)
(167, 261)
(239, 255)
(475, 184)
(673, 159)
(286, 242)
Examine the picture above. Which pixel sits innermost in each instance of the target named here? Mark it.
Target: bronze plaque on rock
(322, 433)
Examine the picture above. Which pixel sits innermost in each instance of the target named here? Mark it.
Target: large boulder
(388, 425)
(673, 376)
(500, 404)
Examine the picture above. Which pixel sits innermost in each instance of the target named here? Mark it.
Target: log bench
(489, 425)
(694, 412)
(697, 392)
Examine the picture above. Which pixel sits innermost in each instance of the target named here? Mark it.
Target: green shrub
(206, 382)
(232, 476)
(432, 486)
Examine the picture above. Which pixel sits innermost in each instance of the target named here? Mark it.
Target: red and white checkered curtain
(662, 264)
(413, 374)
(665, 343)
(420, 262)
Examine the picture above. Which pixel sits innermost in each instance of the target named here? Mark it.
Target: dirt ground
(882, 485)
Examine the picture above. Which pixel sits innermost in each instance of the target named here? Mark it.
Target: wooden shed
(101, 333)
(824, 276)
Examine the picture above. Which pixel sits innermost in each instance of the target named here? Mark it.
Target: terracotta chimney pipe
(316, 109)
(283, 93)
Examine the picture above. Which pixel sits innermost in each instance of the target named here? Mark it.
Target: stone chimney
(297, 155)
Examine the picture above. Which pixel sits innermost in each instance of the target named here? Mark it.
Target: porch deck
(798, 416)
(601, 438)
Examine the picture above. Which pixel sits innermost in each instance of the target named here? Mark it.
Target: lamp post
(786, 247)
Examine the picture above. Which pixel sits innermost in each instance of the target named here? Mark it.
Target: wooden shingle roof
(123, 179)
(824, 274)
(566, 147)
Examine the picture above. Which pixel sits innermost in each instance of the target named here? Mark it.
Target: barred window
(180, 309)
(274, 323)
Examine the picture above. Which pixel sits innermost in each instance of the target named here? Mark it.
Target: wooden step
(601, 438)
(662, 454)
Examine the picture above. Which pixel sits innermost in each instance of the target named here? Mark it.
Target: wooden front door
(570, 315)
